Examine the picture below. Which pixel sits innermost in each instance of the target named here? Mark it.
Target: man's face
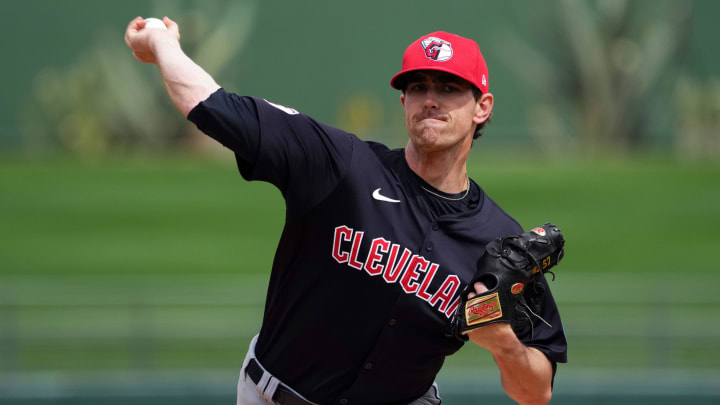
(440, 110)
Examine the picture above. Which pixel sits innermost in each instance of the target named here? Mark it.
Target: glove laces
(505, 253)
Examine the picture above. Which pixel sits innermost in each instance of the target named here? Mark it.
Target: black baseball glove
(509, 267)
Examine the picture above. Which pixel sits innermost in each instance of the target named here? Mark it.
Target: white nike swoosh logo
(376, 195)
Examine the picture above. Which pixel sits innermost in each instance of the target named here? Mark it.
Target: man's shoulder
(377, 152)
(378, 147)
(498, 218)
(383, 151)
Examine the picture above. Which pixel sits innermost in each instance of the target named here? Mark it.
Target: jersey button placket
(344, 401)
(429, 246)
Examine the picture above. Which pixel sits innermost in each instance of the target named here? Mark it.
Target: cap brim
(399, 83)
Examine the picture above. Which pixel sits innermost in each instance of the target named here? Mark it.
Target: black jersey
(370, 264)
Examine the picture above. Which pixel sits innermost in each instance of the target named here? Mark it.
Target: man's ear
(483, 108)
(402, 99)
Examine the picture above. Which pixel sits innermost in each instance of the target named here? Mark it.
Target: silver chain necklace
(467, 190)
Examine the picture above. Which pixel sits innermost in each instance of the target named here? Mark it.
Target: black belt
(282, 394)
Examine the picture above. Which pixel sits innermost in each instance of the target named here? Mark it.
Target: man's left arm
(526, 374)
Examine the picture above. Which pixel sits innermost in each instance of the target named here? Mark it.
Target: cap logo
(539, 231)
(437, 49)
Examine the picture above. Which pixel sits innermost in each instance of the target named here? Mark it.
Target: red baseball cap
(445, 52)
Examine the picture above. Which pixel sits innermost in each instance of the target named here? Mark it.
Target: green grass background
(161, 262)
(188, 215)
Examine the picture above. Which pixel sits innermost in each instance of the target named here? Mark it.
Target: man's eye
(449, 89)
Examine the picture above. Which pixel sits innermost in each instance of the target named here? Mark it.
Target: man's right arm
(295, 147)
(187, 83)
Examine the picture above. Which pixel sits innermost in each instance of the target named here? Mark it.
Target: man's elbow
(544, 397)
(537, 397)
(187, 98)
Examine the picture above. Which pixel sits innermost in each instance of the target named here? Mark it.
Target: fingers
(139, 40)
(139, 57)
(172, 26)
(136, 24)
(169, 23)
(479, 288)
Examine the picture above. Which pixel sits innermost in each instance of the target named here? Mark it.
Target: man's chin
(431, 125)
(427, 141)
(429, 130)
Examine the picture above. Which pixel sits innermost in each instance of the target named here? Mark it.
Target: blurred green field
(163, 216)
(184, 216)
(161, 263)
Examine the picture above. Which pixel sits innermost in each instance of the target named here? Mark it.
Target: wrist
(510, 347)
(161, 42)
(498, 338)
(505, 343)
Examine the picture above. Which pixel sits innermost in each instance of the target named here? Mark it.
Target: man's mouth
(432, 117)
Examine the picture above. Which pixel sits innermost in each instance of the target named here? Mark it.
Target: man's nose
(431, 99)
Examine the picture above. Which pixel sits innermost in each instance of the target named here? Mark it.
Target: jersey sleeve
(302, 157)
(548, 339)
(232, 121)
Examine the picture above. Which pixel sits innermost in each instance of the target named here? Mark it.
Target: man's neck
(444, 170)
